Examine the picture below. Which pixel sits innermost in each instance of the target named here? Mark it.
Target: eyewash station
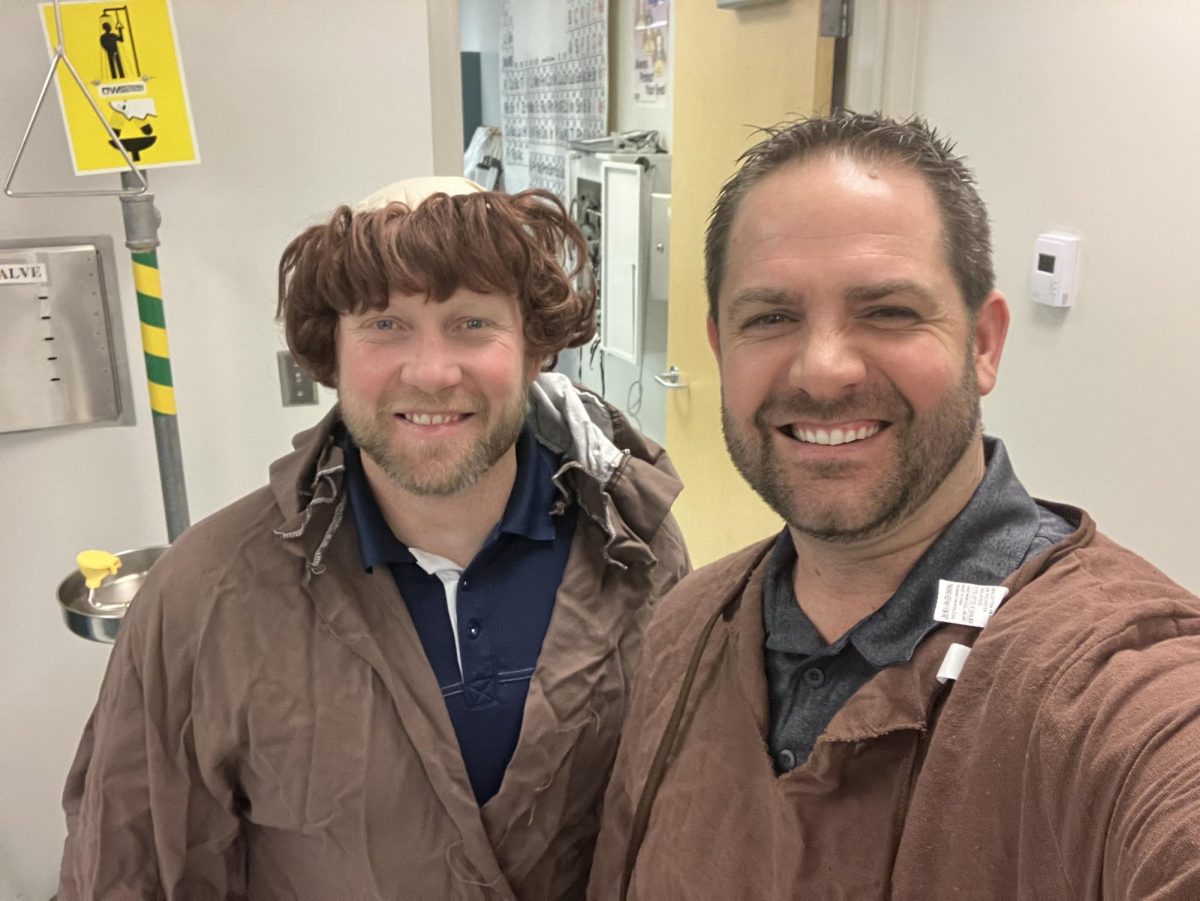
(165, 399)
(64, 363)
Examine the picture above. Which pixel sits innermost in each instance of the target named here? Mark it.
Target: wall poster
(553, 86)
(650, 41)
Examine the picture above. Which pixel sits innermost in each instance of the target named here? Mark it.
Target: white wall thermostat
(1055, 277)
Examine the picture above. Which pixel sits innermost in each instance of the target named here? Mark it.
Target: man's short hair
(872, 139)
(522, 244)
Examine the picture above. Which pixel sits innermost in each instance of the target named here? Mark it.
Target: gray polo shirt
(809, 681)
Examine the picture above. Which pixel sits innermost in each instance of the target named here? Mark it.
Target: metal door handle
(670, 379)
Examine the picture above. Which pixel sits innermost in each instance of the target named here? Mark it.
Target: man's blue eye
(474, 323)
(384, 325)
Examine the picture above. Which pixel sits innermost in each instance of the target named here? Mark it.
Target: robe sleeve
(1119, 752)
(143, 821)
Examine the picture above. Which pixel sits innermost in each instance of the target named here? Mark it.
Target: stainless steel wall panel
(62, 359)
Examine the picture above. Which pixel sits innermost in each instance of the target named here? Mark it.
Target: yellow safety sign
(127, 56)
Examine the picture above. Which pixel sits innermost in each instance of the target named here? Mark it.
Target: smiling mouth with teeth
(833, 436)
(432, 418)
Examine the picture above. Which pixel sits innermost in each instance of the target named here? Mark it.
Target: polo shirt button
(786, 759)
(814, 677)
(473, 629)
(464, 585)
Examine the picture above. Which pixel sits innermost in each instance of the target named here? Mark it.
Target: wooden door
(735, 70)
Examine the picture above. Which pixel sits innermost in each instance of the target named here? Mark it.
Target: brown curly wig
(520, 244)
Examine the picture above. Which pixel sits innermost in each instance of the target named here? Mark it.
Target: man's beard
(927, 451)
(433, 468)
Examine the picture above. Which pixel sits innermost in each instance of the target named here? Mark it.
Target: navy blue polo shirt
(505, 598)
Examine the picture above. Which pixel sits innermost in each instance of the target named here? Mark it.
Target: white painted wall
(445, 85)
(296, 110)
(480, 23)
(1080, 116)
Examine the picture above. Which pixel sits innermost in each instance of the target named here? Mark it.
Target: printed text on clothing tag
(967, 604)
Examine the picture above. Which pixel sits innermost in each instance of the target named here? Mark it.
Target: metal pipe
(141, 237)
(137, 186)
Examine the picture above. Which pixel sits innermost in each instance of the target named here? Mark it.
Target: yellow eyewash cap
(96, 566)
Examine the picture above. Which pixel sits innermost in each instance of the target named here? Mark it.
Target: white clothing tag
(967, 604)
(952, 663)
(449, 572)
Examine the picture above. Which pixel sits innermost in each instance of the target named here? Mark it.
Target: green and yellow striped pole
(154, 332)
(141, 237)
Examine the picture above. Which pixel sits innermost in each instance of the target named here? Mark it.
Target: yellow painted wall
(734, 70)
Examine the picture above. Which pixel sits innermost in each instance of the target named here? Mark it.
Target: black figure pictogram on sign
(118, 50)
(111, 42)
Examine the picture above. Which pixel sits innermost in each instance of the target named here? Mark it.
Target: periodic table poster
(553, 86)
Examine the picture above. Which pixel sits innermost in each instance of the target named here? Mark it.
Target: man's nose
(432, 364)
(828, 364)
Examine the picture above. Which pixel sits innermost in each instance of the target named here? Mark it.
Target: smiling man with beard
(399, 670)
(929, 685)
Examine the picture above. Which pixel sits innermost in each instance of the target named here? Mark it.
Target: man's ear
(714, 340)
(991, 328)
